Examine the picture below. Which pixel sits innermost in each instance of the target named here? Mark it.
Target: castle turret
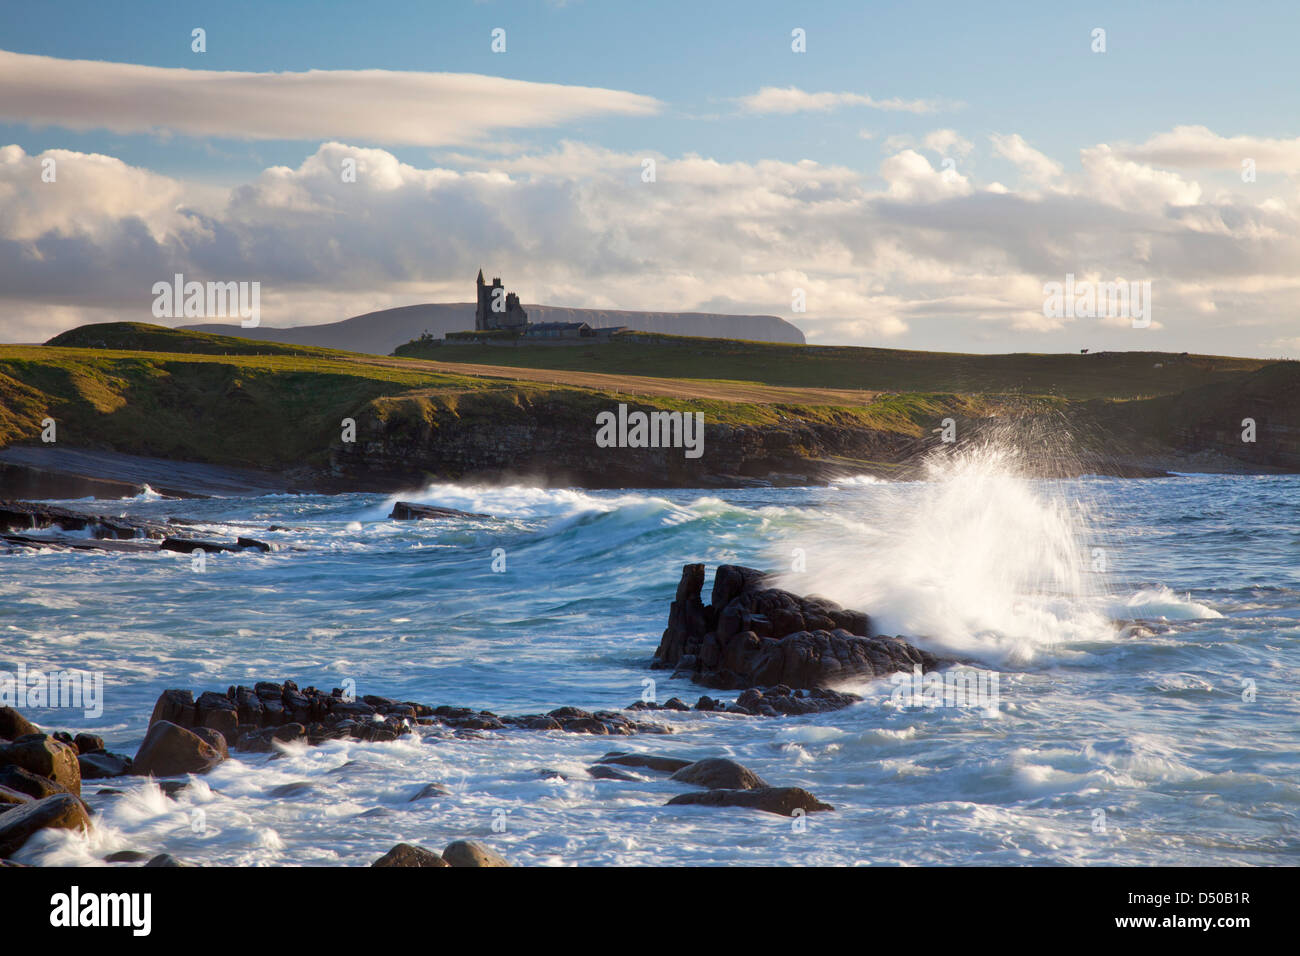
(496, 309)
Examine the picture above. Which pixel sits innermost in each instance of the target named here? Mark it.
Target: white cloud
(1034, 165)
(373, 106)
(791, 99)
(947, 142)
(911, 254)
(1196, 147)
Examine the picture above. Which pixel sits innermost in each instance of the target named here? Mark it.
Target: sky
(915, 177)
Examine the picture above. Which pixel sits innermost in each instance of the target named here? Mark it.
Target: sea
(1144, 634)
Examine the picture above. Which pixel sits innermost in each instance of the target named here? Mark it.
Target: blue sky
(1026, 66)
(1023, 70)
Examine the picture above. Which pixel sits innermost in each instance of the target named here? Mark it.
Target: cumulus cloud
(906, 254)
(1197, 147)
(1034, 165)
(791, 99)
(373, 106)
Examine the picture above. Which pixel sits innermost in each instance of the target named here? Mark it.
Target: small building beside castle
(498, 309)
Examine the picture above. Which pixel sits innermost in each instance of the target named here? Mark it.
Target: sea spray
(977, 559)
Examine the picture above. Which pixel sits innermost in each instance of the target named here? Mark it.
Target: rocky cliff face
(1214, 418)
(554, 440)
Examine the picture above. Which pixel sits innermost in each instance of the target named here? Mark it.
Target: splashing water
(976, 560)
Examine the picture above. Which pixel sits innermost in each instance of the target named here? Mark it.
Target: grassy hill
(143, 337)
(1117, 375)
(196, 396)
(529, 412)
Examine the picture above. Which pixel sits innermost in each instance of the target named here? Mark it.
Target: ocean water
(1145, 635)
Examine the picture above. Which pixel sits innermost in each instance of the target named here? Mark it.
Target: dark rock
(471, 853)
(166, 859)
(650, 761)
(45, 756)
(429, 790)
(10, 797)
(253, 543)
(218, 712)
(126, 856)
(296, 789)
(88, 743)
(61, 811)
(96, 766)
(782, 800)
(190, 545)
(213, 738)
(752, 635)
(407, 511)
(32, 784)
(405, 854)
(603, 772)
(170, 750)
(14, 725)
(717, 773)
(176, 707)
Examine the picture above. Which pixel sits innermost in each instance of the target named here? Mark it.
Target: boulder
(10, 797)
(716, 773)
(32, 784)
(170, 750)
(218, 712)
(100, 764)
(429, 791)
(782, 800)
(61, 811)
(471, 853)
(126, 856)
(166, 859)
(43, 755)
(175, 706)
(649, 761)
(214, 738)
(14, 725)
(604, 772)
(409, 511)
(754, 635)
(406, 854)
(88, 743)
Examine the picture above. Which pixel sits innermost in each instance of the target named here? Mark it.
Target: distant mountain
(381, 332)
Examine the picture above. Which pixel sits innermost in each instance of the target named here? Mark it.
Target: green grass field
(194, 396)
(1115, 375)
(201, 397)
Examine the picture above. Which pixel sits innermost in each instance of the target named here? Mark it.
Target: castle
(497, 309)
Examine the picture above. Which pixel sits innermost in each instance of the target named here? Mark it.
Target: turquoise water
(1126, 620)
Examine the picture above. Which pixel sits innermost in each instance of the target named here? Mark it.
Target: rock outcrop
(408, 511)
(44, 756)
(717, 773)
(471, 853)
(169, 750)
(406, 854)
(752, 635)
(782, 800)
(60, 811)
(256, 718)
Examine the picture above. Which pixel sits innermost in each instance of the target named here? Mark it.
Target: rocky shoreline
(783, 651)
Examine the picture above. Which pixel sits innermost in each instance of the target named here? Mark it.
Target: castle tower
(487, 318)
